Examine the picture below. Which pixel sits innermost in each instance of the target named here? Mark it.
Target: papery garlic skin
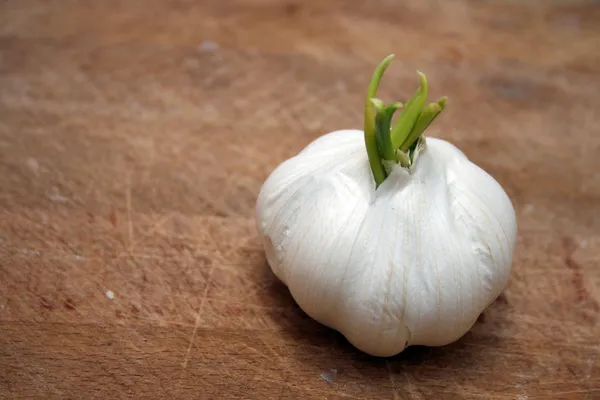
(413, 262)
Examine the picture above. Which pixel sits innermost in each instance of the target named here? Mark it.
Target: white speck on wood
(328, 376)
(55, 195)
(528, 208)
(33, 166)
(590, 363)
(208, 46)
(110, 294)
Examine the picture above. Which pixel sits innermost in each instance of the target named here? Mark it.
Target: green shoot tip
(443, 102)
(378, 104)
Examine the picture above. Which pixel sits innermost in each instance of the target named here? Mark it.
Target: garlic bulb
(410, 259)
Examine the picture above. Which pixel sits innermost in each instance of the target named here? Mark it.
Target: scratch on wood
(276, 354)
(112, 217)
(577, 277)
(156, 226)
(570, 247)
(200, 309)
(69, 304)
(129, 252)
(249, 363)
(411, 389)
(198, 318)
(280, 358)
(191, 343)
(322, 393)
(46, 304)
(129, 220)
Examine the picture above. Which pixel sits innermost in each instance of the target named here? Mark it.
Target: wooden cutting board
(135, 136)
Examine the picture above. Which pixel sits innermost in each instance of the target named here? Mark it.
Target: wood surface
(135, 136)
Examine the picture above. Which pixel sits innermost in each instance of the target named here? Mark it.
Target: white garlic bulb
(411, 260)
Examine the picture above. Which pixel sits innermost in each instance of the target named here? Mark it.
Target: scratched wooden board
(135, 136)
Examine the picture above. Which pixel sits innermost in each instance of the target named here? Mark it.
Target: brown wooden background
(135, 135)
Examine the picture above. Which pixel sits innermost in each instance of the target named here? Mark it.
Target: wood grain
(135, 136)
